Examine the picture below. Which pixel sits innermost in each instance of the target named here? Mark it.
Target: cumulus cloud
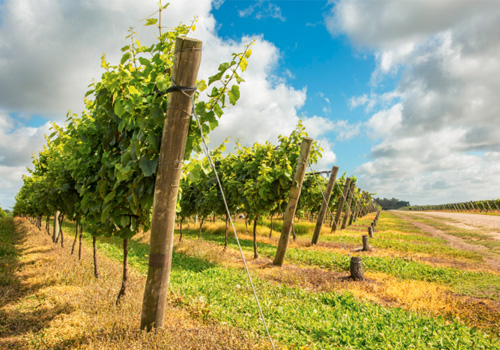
(50, 52)
(17, 145)
(18, 142)
(445, 119)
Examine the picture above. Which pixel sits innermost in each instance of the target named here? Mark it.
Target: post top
(185, 38)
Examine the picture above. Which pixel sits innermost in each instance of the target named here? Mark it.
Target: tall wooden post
(354, 213)
(350, 196)
(57, 228)
(187, 60)
(487, 202)
(340, 208)
(324, 204)
(300, 171)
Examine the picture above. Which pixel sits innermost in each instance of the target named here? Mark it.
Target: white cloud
(385, 122)
(263, 9)
(17, 144)
(50, 51)
(439, 129)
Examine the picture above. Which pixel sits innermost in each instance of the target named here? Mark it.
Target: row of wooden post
(490, 206)
(356, 264)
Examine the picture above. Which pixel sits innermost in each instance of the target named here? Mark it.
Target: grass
(211, 294)
(392, 234)
(463, 282)
(8, 257)
(481, 284)
(60, 305)
(467, 235)
(297, 317)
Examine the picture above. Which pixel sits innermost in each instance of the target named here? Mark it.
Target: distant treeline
(392, 203)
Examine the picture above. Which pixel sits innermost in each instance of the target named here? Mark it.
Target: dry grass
(58, 304)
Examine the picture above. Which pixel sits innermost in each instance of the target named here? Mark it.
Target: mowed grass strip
(392, 233)
(297, 317)
(481, 284)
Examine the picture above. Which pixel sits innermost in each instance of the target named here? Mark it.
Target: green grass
(480, 284)
(298, 317)
(8, 253)
(463, 282)
(388, 236)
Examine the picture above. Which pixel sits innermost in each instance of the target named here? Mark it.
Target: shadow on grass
(139, 255)
(19, 313)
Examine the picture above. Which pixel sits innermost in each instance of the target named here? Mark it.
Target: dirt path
(455, 242)
(474, 222)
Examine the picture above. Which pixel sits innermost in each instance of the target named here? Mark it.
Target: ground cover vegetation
(326, 311)
(95, 177)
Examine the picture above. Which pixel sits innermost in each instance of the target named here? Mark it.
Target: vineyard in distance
(132, 232)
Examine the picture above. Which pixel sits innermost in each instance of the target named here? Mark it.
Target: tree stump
(357, 269)
(366, 247)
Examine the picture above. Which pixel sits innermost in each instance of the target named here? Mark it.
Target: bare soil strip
(453, 241)
(468, 221)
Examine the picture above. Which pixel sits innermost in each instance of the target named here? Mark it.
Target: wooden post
(187, 58)
(55, 234)
(485, 210)
(340, 208)
(354, 212)
(370, 231)
(487, 202)
(495, 203)
(356, 269)
(324, 204)
(350, 196)
(300, 171)
(366, 247)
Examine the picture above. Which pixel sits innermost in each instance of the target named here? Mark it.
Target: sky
(402, 94)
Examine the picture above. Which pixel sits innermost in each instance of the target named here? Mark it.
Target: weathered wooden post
(370, 231)
(324, 204)
(350, 196)
(366, 246)
(485, 210)
(356, 269)
(55, 234)
(496, 206)
(487, 202)
(300, 171)
(187, 58)
(340, 207)
(357, 210)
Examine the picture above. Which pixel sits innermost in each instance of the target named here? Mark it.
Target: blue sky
(402, 94)
(329, 66)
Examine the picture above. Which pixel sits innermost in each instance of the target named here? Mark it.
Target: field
(429, 284)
